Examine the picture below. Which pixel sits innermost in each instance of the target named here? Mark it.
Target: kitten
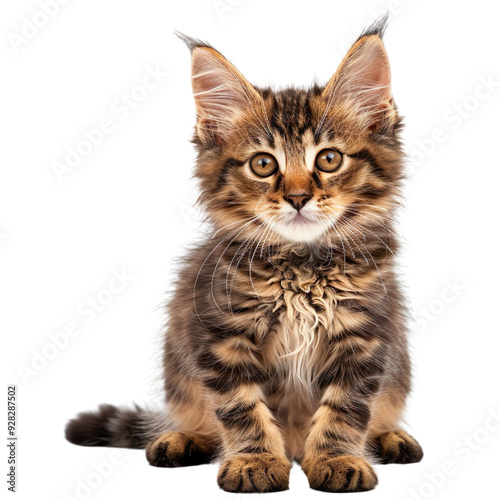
(286, 334)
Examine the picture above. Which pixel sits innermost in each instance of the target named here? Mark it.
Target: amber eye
(328, 160)
(264, 165)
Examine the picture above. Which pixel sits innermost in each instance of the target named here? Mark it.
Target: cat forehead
(298, 153)
(293, 111)
(294, 117)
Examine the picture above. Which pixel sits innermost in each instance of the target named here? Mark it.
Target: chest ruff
(312, 312)
(312, 309)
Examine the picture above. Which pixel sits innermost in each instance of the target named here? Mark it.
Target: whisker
(247, 243)
(222, 254)
(203, 265)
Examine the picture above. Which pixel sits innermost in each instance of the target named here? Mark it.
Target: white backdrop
(90, 249)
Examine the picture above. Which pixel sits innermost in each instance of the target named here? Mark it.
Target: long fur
(286, 333)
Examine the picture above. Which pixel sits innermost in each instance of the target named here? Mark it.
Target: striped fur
(286, 337)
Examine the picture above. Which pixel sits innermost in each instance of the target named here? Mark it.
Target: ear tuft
(191, 43)
(377, 28)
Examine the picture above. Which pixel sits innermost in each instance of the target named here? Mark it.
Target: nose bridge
(297, 179)
(297, 183)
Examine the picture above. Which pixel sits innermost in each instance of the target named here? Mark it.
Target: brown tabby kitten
(286, 334)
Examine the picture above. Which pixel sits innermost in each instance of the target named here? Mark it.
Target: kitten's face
(297, 166)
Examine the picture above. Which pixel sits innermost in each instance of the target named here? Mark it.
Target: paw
(179, 449)
(254, 473)
(398, 447)
(345, 473)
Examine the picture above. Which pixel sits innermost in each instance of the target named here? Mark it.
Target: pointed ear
(363, 83)
(221, 93)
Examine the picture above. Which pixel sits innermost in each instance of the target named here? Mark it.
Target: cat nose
(298, 200)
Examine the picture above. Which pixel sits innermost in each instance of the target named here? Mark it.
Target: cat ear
(221, 92)
(362, 84)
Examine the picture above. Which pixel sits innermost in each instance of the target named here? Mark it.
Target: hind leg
(397, 447)
(180, 449)
(195, 439)
(390, 444)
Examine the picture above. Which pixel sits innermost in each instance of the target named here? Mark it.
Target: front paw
(254, 473)
(345, 473)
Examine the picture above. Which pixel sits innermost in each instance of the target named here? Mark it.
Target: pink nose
(298, 200)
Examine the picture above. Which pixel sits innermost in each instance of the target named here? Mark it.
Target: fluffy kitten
(286, 337)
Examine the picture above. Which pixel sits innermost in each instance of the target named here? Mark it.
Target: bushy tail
(119, 427)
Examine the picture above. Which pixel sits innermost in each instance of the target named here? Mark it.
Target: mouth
(301, 228)
(300, 220)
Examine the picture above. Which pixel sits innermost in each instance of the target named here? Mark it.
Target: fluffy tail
(118, 427)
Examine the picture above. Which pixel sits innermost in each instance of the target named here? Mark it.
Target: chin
(304, 232)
